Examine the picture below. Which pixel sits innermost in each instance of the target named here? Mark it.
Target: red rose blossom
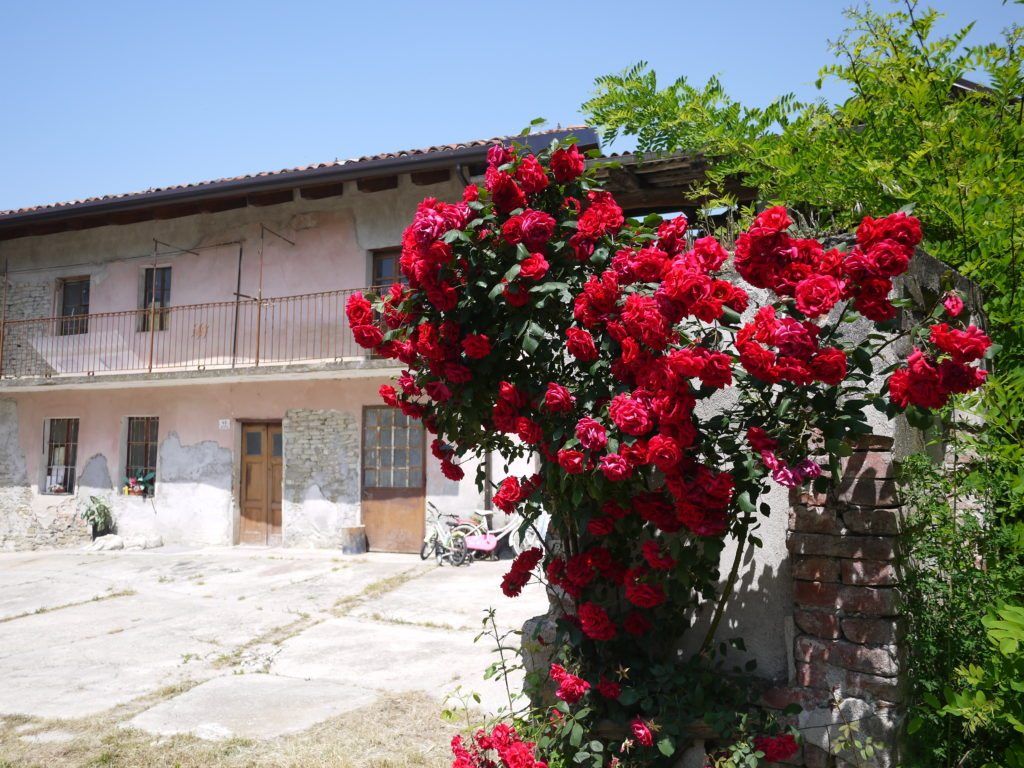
(558, 399)
(581, 345)
(817, 294)
(476, 346)
(615, 468)
(567, 164)
(641, 732)
(533, 267)
(570, 687)
(595, 623)
(630, 415)
(573, 462)
(591, 434)
(776, 748)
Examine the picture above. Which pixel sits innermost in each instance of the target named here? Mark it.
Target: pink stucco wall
(204, 510)
(326, 256)
(193, 410)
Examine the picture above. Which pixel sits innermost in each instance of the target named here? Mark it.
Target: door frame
(239, 464)
(362, 466)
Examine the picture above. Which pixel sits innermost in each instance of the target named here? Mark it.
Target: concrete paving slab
(392, 657)
(251, 707)
(458, 598)
(203, 614)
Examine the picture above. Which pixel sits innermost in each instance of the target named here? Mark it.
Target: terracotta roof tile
(407, 153)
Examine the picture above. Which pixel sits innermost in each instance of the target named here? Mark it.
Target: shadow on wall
(759, 612)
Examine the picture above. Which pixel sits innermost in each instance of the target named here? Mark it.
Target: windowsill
(56, 493)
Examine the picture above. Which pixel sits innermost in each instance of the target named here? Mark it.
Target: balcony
(247, 333)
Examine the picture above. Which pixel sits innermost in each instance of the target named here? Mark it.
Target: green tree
(912, 133)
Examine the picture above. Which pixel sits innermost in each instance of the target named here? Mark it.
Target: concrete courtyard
(256, 648)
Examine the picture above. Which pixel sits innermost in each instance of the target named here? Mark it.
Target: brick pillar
(846, 608)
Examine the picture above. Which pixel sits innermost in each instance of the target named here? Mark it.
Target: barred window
(140, 470)
(61, 455)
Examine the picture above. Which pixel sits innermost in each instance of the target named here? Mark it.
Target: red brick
(869, 465)
(815, 594)
(881, 522)
(874, 631)
(817, 623)
(815, 568)
(871, 572)
(783, 696)
(868, 492)
(859, 658)
(870, 547)
(869, 601)
(816, 654)
(815, 520)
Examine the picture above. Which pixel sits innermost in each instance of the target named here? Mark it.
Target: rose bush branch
(661, 384)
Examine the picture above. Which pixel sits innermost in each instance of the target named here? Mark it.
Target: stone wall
(27, 301)
(321, 478)
(846, 647)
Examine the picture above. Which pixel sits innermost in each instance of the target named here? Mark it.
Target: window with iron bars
(140, 467)
(61, 456)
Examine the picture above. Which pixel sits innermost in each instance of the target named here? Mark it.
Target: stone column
(846, 646)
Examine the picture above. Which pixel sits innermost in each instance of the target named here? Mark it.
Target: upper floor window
(74, 306)
(61, 455)
(140, 467)
(385, 267)
(156, 298)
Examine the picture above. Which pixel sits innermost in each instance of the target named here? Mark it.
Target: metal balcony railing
(227, 334)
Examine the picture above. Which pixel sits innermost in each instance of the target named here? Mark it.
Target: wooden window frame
(393, 252)
(70, 465)
(161, 309)
(75, 324)
(376, 466)
(151, 433)
(376, 255)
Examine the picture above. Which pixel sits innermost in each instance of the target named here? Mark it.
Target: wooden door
(394, 481)
(261, 483)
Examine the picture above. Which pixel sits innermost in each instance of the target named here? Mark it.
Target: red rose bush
(663, 383)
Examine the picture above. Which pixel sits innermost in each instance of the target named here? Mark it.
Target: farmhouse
(184, 354)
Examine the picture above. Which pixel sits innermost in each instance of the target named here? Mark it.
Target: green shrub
(958, 560)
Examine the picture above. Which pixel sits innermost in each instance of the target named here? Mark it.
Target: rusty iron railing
(220, 335)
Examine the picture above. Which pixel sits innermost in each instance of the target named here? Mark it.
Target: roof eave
(385, 166)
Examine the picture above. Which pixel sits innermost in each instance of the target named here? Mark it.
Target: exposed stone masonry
(26, 301)
(321, 478)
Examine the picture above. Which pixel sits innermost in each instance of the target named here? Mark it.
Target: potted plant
(98, 516)
(139, 485)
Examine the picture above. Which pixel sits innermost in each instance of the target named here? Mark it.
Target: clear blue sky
(104, 97)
